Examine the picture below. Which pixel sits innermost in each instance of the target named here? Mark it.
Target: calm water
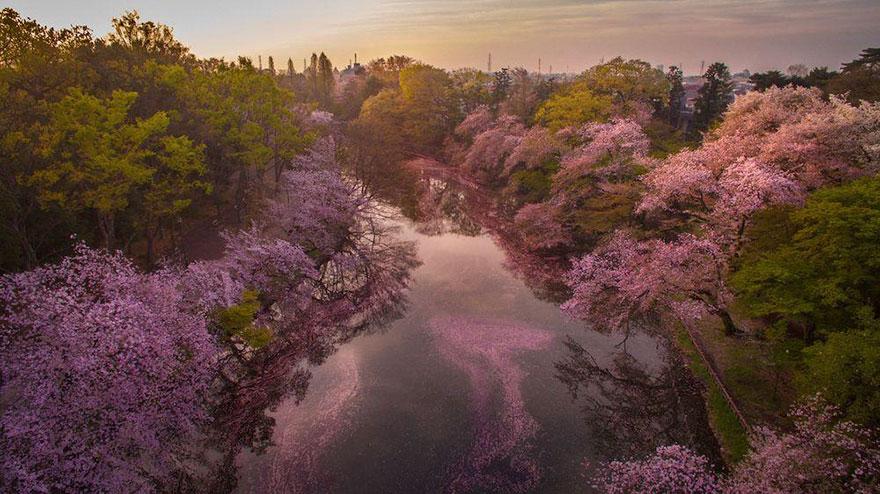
(480, 387)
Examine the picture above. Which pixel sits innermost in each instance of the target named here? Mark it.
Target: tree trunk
(730, 328)
(150, 234)
(107, 229)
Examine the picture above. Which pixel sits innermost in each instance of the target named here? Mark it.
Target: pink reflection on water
(500, 458)
(304, 432)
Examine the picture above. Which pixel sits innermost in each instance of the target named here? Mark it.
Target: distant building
(353, 70)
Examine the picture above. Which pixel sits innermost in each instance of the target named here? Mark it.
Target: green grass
(730, 433)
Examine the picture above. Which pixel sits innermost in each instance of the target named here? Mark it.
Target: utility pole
(539, 66)
(702, 67)
(304, 65)
(489, 65)
(260, 59)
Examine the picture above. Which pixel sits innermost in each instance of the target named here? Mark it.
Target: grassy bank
(727, 428)
(757, 374)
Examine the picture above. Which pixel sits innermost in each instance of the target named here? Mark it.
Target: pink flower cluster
(772, 148)
(606, 150)
(106, 369)
(821, 454)
(626, 276)
(538, 227)
(671, 470)
(108, 373)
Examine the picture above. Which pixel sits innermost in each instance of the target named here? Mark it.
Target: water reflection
(362, 289)
(630, 408)
(476, 388)
(451, 203)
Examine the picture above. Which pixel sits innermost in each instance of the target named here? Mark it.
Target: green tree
(325, 81)
(714, 97)
(312, 76)
(471, 88)
(98, 156)
(148, 39)
(771, 78)
(522, 98)
(859, 79)
(249, 128)
(572, 106)
(846, 370)
(500, 87)
(675, 77)
(817, 268)
(628, 82)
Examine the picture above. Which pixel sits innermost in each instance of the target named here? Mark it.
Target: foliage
(818, 276)
(845, 369)
(628, 82)
(109, 367)
(575, 105)
(770, 148)
(126, 135)
(714, 97)
(677, 95)
(522, 96)
(99, 160)
(825, 271)
(420, 112)
(860, 79)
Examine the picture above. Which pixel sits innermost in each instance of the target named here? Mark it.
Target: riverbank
(751, 373)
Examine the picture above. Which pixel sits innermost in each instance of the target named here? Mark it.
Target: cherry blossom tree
(821, 454)
(535, 148)
(772, 148)
(486, 157)
(476, 122)
(626, 278)
(794, 130)
(608, 151)
(671, 470)
(777, 142)
(721, 205)
(107, 369)
(539, 228)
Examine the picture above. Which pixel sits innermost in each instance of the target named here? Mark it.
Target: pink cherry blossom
(109, 368)
(539, 228)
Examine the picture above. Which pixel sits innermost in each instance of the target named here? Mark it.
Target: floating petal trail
(499, 459)
(310, 428)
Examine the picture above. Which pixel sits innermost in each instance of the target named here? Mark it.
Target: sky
(569, 35)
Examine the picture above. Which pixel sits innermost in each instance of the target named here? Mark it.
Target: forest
(185, 241)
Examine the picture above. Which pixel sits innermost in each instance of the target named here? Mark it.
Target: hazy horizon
(568, 35)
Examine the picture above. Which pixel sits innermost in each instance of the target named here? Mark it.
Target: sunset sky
(572, 34)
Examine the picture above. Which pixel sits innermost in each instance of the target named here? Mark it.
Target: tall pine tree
(676, 96)
(326, 81)
(714, 97)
